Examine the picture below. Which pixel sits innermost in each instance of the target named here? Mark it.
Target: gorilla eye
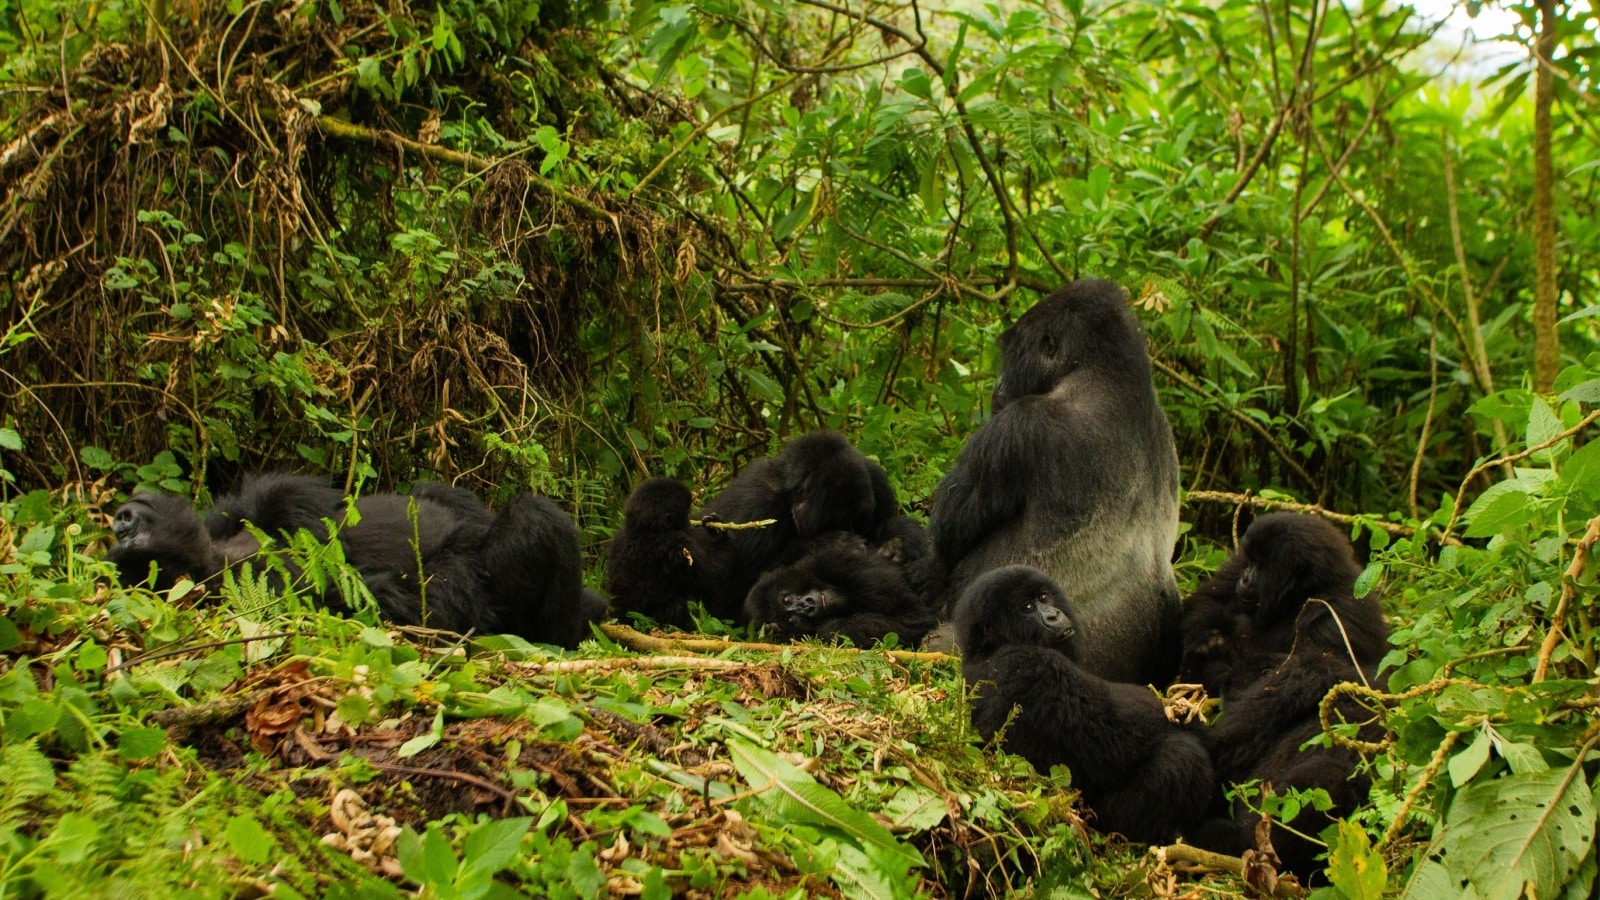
(1027, 607)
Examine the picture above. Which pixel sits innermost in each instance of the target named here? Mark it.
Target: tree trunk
(1546, 347)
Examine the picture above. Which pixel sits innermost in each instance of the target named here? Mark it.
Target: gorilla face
(1290, 559)
(1014, 605)
(144, 515)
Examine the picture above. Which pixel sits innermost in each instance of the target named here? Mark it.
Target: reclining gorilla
(1272, 632)
(840, 588)
(517, 572)
(1143, 776)
(1075, 473)
(816, 485)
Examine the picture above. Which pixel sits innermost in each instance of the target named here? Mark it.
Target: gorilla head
(659, 504)
(1291, 558)
(1085, 324)
(1014, 605)
(830, 486)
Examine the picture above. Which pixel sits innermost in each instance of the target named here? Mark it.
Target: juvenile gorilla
(1143, 776)
(517, 572)
(815, 485)
(840, 588)
(657, 562)
(1271, 633)
(1074, 473)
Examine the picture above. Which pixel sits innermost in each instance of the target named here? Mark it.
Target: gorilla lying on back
(817, 484)
(840, 588)
(1268, 633)
(1143, 776)
(517, 572)
(1074, 473)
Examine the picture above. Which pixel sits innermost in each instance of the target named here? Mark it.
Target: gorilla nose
(124, 523)
(1055, 619)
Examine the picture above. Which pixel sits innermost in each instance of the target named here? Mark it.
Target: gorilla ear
(1047, 345)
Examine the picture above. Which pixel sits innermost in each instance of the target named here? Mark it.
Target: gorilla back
(438, 556)
(1075, 474)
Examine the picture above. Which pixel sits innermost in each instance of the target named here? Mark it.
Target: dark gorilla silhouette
(818, 484)
(657, 562)
(1074, 473)
(841, 588)
(1143, 776)
(517, 572)
(1272, 632)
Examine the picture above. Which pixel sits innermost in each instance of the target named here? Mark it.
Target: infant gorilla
(1143, 776)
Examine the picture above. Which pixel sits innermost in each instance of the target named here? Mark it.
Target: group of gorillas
(1047, 558)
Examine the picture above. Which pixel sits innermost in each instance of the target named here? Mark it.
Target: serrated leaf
(1581, 472)
(141, 743)
(248, 840)
(1519, 832)
(797, 797)
(10, 439)
(916, 808)
(1543, 425)
(1503, 506)
(493, 847)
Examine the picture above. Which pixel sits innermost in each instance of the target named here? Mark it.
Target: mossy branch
(649, 643)
(343, 130)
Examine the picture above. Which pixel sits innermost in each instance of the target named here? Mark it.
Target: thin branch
(629, 663)
(470, 161)
(1480, 468)
(649, 643)
(1265, 503)
(1569, 581)
(1250, 423)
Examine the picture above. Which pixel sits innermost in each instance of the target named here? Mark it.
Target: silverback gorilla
(517, 572)
(1074, 474)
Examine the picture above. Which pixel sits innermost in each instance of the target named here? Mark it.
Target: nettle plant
(1492, 775)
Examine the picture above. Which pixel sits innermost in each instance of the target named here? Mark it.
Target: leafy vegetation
(561, 244)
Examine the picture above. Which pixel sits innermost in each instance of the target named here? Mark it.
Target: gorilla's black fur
(657, 562)
(815, 485)
(1074, 473)
(841, 588)
(1143, 776)
(1271, 632)
(517, 572)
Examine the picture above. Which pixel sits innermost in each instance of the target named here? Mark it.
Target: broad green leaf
(493, 847)
(1543, 425)
(141, 743)
(248, 840)
(797, 797)
(1468, 762)
(73, 836)
(916, 808)
(1581, 472)
(1354, 867)
(1521, 835)
(424, 740)
(1500, 508)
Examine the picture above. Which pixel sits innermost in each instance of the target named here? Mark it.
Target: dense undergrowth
(562, 244)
